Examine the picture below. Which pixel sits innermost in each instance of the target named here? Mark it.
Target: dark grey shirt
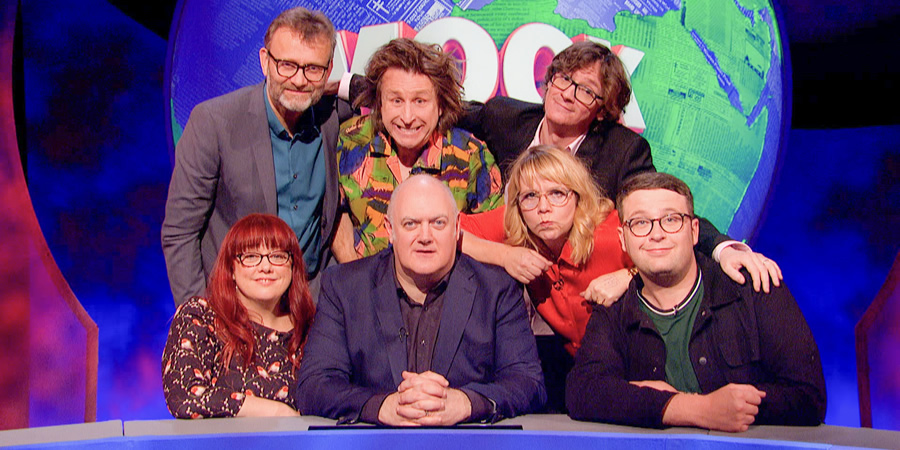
(422, 322)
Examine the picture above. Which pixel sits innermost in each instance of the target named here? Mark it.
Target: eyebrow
(644, 214)
(424, 219)
(419, 92)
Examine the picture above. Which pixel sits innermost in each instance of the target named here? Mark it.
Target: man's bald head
(422, 219)
(425, 185)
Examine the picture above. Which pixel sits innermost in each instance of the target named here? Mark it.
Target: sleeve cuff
(483, 408)
(344, 87)
(740, 246)
(370, 409)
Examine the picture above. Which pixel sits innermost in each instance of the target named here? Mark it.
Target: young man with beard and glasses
(267, 148)
(686, 345)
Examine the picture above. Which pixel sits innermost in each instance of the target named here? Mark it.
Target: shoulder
(462, 139)
(196, 307)
(486, 276)
(234, 100)
(511, 105)
(350, 274)
(359, 130)
(616, 132)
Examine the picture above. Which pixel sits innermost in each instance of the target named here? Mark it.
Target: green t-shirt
(675, 327)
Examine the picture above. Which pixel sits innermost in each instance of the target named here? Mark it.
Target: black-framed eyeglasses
(555, 197)
(583, 94)
(670, 223)
(287, 69)
(279, 258)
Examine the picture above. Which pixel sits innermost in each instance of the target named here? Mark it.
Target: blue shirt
(299, 181)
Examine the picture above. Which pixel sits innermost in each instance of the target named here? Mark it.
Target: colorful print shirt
(370, 169)
(194, 382)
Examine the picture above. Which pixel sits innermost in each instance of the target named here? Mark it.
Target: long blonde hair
(550, 163)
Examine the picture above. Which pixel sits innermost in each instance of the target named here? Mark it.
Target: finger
(757, 273)
(429, 405)
(431, 420)
(533, 271)
(415, 395)
(545, 263)
(734, 274)
(763, 273)
(774, 272)
(427, 388)
(752, 410)
(413, 383)
(410, 413)
(415, 379)
(438, 378)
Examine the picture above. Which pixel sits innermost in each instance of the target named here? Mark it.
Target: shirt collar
(430, 158)
(572, 148)
(681, 305)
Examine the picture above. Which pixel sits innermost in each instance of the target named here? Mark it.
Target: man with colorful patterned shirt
(415, 97)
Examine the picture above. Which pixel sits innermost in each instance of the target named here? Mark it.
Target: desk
(539, 431)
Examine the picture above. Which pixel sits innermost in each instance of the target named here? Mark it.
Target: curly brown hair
(615, 87)
(426, 59)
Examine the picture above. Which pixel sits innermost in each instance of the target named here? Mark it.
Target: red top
(557, 292)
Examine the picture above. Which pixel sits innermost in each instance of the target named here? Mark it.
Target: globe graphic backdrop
(707, 75)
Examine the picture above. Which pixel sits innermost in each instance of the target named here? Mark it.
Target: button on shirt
(422, 322)
(300, 181)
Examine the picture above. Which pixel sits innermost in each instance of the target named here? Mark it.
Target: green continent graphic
(705, 68)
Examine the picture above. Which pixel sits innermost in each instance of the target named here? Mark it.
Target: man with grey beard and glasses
(267, 148)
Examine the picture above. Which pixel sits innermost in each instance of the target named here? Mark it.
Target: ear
(389, 228)
(695, 229)
(458, 230)
(264, 61)
(621, 231)
(330, 68)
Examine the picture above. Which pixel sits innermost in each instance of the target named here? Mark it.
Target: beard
(297, 104)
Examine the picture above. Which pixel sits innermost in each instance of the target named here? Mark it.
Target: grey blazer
(224, 170)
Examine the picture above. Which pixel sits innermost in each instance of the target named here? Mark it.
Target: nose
(568, 93)
(299, 78)
(406, 113)
(265, 265)
(656, 232)
(425, 234)
(543, 204)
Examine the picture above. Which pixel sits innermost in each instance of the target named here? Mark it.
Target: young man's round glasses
(670, 223)
(254, 259)
(555, 197)
(287, 69)
(583, 94)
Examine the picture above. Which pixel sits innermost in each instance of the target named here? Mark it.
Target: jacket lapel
(326, 114)
(458, 302)
(387, 314)
(261, 150)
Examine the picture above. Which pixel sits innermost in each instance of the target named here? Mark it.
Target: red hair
(233, 325)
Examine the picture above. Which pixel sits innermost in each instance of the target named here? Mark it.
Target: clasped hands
(425, 399)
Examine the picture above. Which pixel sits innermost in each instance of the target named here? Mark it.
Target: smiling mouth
(408, 130)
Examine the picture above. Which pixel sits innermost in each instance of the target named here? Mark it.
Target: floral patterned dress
(194, 382)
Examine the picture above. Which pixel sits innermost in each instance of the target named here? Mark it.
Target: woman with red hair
(236, 352)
